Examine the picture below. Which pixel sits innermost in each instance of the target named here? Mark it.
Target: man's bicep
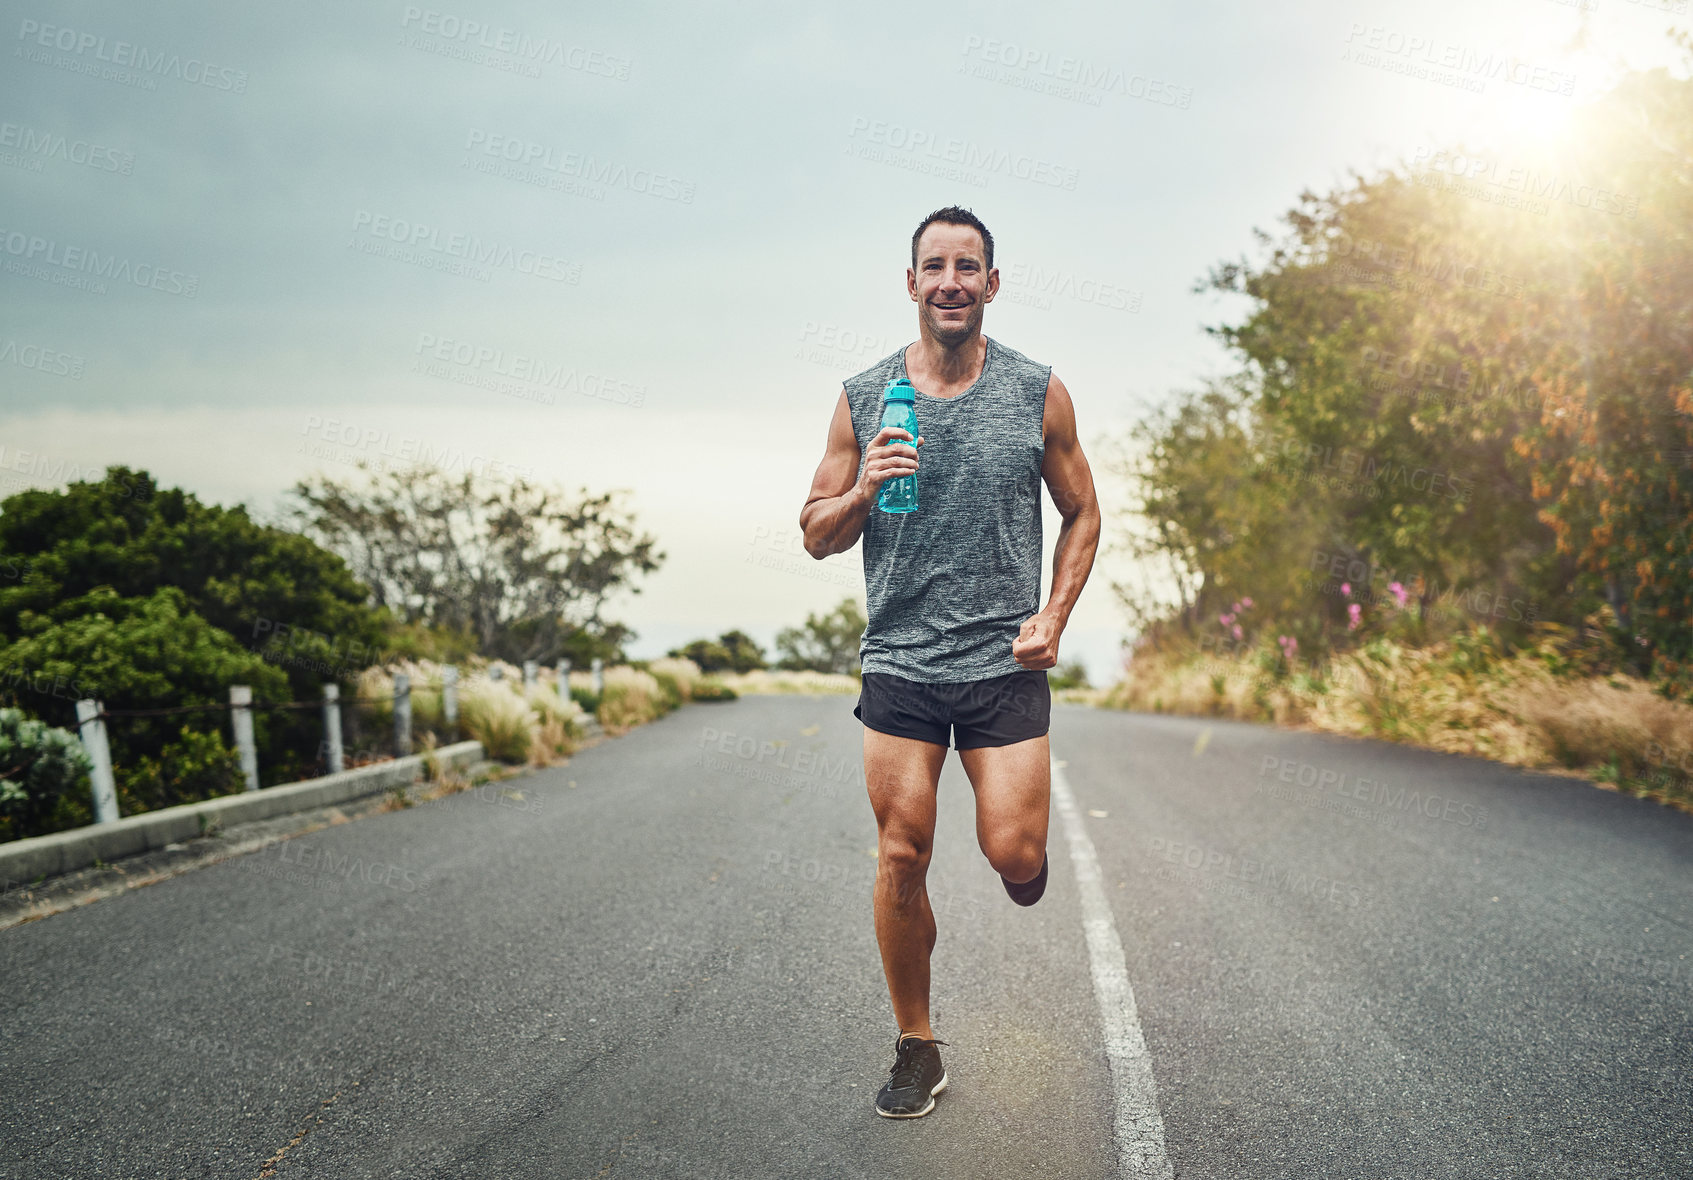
(1064, 467)
(839, 469)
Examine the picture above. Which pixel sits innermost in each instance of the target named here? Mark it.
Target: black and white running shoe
(917, 1077)
(1028, 892)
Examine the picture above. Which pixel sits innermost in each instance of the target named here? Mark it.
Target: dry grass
(514, 724)
(685, 673)
(535, 725)
(499, 718)
(1611, 730)
(632, 698)
(772, 683)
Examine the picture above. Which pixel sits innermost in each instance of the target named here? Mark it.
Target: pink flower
(1353, 612)
(1398, 592)
(1289, 645)
(1246, 602)
(1346, 589)
(1225, 620)
(1237, 631)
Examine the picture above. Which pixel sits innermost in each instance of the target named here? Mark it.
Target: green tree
(1450, 393)
(710, 655)
(516, 565)
(128, 533)
(1611, 333)
(81, 574)
(744, 653)
(1070, 675)
(826, 643)
(604, 641)
(732, 651)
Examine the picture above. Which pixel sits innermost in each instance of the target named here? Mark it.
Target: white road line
(1140, 1128)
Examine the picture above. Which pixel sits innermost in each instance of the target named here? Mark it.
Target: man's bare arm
(841, 498)
(1070, 480)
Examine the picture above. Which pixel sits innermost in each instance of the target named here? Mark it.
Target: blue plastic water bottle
(899, 408)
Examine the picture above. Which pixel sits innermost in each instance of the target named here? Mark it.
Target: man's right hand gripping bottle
(899, 408)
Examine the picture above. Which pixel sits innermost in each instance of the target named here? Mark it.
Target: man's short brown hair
(953, 215)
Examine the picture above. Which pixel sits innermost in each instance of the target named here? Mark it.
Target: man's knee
(902, 864)
(1016, 857)
(902, 855)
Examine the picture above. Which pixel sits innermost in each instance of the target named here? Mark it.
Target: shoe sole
(917, 1114)
(1025, 884)
(1020, 901)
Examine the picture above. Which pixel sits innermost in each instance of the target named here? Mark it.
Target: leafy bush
(1071, 675)
(194, 766)
(141, 653)
(827, 643)
(744, 653)
(732, 651)
(1463, 698)
(670, 689)
(708, 654)
(112, 548)
(1474, 653)
(44, 783)
(712, 689)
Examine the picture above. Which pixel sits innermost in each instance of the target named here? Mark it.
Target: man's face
(952, 284)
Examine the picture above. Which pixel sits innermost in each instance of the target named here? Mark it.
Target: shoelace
(906, 1072)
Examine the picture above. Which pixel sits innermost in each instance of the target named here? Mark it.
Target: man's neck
(953, 367)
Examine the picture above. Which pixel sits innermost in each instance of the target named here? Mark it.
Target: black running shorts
(993, 712)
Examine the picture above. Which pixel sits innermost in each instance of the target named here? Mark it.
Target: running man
(956, 643)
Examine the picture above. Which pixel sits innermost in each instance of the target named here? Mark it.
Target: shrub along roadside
(44, 784)
(145, 653)
(514, 724)
(646, 691)
(1531, 708)
(534, 725)
(43, 778)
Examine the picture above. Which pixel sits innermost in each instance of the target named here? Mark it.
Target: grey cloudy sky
(638, 246)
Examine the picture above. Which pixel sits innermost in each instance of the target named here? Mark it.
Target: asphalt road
(658, 961)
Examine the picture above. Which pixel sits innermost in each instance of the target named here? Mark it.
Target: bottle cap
(899, 391)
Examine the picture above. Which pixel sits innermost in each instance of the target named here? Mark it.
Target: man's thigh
(901, 775)
(1013, 786)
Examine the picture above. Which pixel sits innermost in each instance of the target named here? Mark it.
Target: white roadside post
(564, 680)
(241, 720)
(531, 673)
(334, 756)
(450, 697)
(402, 714)
(93, 729)
(599, 677)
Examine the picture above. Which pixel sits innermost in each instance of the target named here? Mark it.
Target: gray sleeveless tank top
(949, 586)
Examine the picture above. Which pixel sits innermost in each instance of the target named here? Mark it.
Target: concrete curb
(65, 852)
